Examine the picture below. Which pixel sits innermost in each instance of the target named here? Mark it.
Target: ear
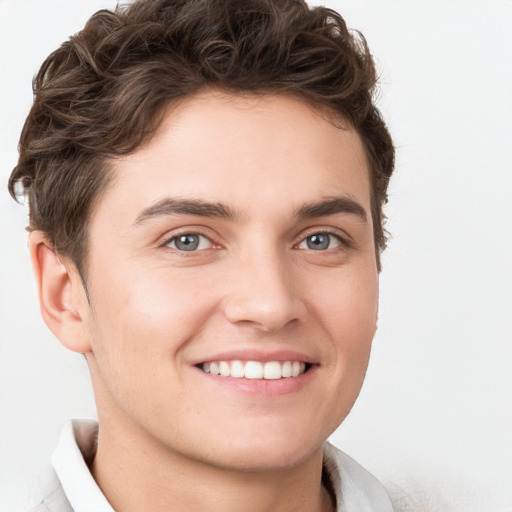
(62, 297)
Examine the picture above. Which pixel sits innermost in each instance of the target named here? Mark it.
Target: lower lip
(263, 387)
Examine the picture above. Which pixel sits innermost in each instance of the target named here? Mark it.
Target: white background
(434, 420)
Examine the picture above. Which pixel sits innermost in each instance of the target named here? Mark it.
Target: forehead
(241, 149)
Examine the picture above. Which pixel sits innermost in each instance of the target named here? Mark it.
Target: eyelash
(343, 242)
(166, 243)
(319, 235)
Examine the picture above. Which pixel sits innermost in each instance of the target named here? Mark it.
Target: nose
(262, 293)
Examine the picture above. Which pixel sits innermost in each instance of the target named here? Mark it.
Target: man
(206, 182)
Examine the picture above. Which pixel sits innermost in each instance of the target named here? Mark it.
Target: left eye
(189, 242)
(320, 242)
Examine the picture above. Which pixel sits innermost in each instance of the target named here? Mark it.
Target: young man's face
(240, 235)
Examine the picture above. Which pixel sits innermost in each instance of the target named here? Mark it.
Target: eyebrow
(176, 206)
(332, 206)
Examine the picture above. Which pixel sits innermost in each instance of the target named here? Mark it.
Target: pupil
(187, 242)
(318, 242)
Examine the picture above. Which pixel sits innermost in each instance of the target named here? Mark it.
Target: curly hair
(103, 93)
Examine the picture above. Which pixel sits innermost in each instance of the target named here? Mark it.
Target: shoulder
(52, 496)
(356, 489)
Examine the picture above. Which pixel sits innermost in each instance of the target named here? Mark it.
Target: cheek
(150, 315)
(348, 307)
(347, 310)
(137, 328)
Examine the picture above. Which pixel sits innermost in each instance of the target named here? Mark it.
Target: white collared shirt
(77, 443)
(356, 490)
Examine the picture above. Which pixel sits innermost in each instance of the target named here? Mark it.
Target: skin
(254, 286)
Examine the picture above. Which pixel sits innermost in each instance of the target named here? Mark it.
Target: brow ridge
(333, 206)
(176, 206)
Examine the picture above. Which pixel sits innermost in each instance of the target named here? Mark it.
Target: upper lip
(257, 355)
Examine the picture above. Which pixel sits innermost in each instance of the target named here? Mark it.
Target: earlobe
(61, 295)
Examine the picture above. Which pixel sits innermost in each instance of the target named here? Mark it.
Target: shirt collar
(356, 489)
(77, 443)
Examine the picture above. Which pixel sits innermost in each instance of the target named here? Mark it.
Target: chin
(264, 451)
(259, 460)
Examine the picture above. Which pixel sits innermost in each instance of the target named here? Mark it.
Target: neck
(137, 474)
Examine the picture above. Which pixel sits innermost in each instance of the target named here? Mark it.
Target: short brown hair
(102, 93)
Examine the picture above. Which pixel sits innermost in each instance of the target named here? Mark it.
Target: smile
(271, 370)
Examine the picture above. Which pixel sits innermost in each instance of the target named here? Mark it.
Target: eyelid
(345, 239)
(201, 238)
(166, 239)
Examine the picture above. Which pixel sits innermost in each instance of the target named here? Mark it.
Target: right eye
(189, 242)
(320, 242)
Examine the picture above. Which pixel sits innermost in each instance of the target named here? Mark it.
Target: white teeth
(295, 368)
(224, 369)
(253, 370)
(286, 369)
(271, 370)
(237, 369)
